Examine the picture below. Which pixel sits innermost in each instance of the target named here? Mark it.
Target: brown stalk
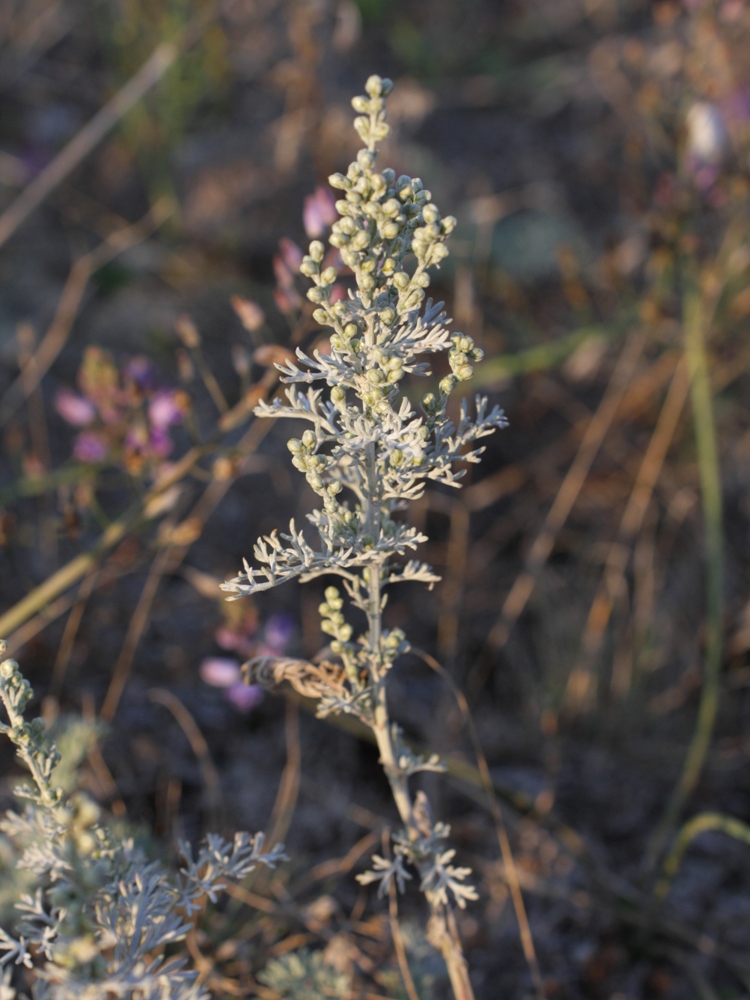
(568, 493)
(511, 869)
(198, 744)
(69, 635)
(286, 798)
(87, 139)
(453, 584)
(133, 636)
(581, 684)
(77, 568)
(398, 940)
(39, 363)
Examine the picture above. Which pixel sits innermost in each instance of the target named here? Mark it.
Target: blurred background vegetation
(161, 163)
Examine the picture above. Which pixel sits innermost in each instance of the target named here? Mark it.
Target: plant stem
(442, 931)
(699, 824)
(697, 313)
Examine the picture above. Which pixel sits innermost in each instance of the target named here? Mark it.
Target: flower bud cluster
(382, 218)
(305, 459)
(333, 624)
(393, 644)
(460, 356)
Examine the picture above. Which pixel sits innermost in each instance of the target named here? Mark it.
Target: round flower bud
(430, 213)
(448, 384)
(308, 267)
(390, 230)
(362, 240)
(374, 86)
(387, 315)
(360, 105)
(320, 316)
(464, 373)
(329, 275)
(374, 376)
(448, 224)
(366, 283)
(365, 159)
(389, 266)
(338, 395)
(331, 595)
(338, 181)
(401, 280)
(315, 294)
(7, 669)
(308, 439)
(338, 240)
(317, 251)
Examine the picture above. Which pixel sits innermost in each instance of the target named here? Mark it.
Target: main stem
(442, 931)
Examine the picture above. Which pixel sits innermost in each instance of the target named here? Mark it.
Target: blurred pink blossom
(338, 293)
(319, 212)
(250, 314)
(290, 254)
(74, 408)
(164, 410)
(284, 277)
(225, 673)
(220, 671)
(287, 299)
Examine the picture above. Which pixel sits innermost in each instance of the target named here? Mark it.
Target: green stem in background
(698, 311)
(694, 828)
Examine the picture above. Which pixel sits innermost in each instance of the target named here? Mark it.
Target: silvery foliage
(101, 915)
(305, 975)
(366, 453)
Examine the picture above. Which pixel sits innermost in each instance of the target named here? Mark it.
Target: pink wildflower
(74, 408)
(164, 410)
(319, 212)
(220, 671)
(250, 314)
(290, 254)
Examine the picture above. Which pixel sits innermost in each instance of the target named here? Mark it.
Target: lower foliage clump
(101, 915)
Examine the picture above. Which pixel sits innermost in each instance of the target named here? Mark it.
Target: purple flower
(278, 632)
(244, 696)
(319, 212)
(159, 442)
(164, 410)
(141, 372)
(74, 408)
(90, 447)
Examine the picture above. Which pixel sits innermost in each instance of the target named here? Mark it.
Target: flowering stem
(442, 930)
